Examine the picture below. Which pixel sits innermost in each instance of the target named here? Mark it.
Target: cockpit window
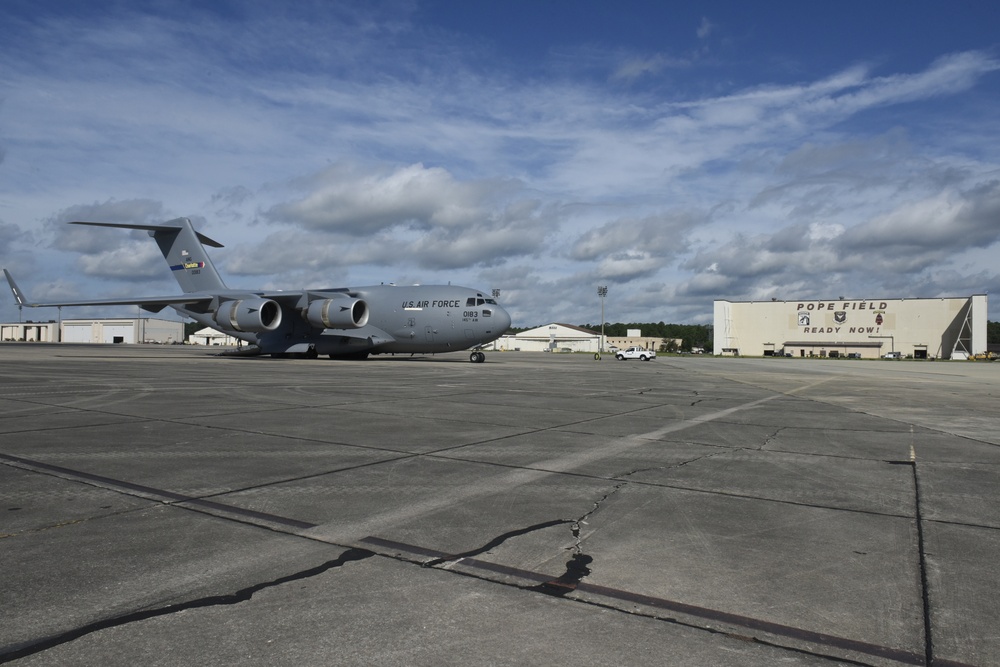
(492, 301)
(470, 302)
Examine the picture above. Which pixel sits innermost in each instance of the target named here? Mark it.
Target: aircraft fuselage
(412, 319)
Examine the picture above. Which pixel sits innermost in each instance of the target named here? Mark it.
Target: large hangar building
(943, 328)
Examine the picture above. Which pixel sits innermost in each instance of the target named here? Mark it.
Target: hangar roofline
(859, 298)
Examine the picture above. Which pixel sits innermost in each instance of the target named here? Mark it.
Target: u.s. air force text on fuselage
(420, 305)
(467, 315)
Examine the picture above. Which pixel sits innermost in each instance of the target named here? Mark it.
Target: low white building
(209, 336)
(125, 330)
(553, 337)
(635, 337)
(32, 332)
(558, 337)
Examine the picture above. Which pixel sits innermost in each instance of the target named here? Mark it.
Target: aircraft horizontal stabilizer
(152, 228)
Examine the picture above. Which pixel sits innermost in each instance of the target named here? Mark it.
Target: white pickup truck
(635, 352)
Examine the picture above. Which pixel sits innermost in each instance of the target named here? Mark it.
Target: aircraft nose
(502, 318)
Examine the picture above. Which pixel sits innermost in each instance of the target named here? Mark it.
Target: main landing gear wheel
(477, 357)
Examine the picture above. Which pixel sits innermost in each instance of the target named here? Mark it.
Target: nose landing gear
(477, 357)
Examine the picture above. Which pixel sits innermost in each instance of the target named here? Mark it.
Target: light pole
(602, 291)
(496, 297)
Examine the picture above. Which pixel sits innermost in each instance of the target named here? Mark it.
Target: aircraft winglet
(18, 294)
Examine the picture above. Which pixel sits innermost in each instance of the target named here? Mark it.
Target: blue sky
(676, 152)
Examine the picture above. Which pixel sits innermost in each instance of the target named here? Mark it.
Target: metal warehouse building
(943, 328)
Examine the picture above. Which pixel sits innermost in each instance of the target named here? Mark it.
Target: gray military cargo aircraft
(343, 322)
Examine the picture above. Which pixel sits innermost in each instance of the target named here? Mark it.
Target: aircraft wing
(158, 303)
(153, 304)
(150, 303)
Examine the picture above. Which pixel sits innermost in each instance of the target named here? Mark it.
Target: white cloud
(135, 261)
(924, 230)
(897, 252)
(83, 239)
(705, 28)
(645, 244)
(628, 266)
(361, 202)
(635, 67)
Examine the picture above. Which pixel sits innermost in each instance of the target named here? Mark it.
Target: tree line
(690, 335)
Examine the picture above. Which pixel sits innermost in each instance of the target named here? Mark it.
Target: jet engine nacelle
(249, 315)
(346, 313)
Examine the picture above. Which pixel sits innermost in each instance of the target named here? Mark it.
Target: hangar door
(76, 333)
(118, 333)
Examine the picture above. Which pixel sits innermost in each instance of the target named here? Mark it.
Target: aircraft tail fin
(183, 248)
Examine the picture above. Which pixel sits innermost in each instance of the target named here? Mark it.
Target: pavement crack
(670, 466)
(582, 521)
(495, 542)
(577, 566)
(768, 439)
(8, 654)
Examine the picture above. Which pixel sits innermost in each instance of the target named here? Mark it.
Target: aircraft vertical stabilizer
(182, 247)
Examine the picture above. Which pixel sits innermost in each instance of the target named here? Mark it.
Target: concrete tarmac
(165, 506)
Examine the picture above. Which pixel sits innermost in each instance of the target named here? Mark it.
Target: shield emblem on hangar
(840, 316)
